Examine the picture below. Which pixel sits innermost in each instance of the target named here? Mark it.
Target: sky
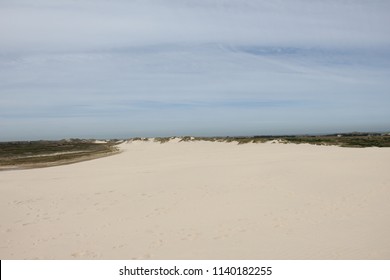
(145, 68)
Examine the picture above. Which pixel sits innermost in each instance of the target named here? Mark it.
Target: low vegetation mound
(359, 140)
(27, 154)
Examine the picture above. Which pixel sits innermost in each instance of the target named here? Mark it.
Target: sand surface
(202, 200)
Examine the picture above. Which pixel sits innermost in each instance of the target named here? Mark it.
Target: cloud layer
(215, 67)
(93, 25)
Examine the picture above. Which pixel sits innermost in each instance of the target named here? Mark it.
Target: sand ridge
(202, 200)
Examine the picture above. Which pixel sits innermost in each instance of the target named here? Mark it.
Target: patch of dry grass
(29, 154)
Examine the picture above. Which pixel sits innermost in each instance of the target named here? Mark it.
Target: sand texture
(202, 200)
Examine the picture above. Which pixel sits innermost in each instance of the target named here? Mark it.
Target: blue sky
(116, 69)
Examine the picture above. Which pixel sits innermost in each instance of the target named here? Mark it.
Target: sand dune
(202, 200)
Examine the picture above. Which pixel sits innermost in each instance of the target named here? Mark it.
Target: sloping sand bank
(202, 200)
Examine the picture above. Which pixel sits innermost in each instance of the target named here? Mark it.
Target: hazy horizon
(119, 69)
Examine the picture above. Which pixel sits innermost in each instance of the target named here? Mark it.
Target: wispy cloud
(186, 67)
(87, 25)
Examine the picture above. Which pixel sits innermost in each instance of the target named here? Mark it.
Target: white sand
(202, 200)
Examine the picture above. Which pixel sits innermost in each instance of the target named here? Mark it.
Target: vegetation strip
(30, 154)
(358, 140)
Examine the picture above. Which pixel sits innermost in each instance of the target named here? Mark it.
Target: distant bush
(139, 139)
(162, 139)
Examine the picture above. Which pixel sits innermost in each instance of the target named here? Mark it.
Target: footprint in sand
(85, 254)
(144, 257)
(157, 244)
